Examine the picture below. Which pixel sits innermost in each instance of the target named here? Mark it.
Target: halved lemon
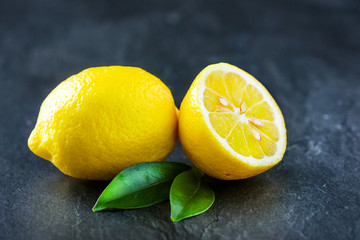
(230, 127)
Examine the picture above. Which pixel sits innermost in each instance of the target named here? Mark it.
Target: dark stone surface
(306, 52)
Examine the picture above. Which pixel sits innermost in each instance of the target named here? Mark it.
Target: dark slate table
(306, 52)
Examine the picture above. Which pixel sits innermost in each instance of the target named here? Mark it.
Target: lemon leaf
(141, 185)
(189, 195)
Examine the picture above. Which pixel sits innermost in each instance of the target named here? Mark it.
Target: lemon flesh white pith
(105, 119)
(229, 126)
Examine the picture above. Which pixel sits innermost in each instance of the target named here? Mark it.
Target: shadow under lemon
(250, 198)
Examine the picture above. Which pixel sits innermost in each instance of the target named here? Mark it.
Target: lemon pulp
(239, 114)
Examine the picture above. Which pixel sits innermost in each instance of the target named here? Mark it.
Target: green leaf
(141, 185)
(189, 195)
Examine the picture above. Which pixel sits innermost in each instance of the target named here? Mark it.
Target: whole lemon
(105, 119)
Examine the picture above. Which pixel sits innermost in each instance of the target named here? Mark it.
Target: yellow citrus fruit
(105, 119)
(230, 127)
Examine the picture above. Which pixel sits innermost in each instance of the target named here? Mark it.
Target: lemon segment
(223, 123)
(261, 110)
(251, 96)
(212, 81)
(239, 144)
(236, 84)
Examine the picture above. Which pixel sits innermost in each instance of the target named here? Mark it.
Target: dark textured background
(307, 53)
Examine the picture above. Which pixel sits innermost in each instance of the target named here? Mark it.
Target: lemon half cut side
(230, 127)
